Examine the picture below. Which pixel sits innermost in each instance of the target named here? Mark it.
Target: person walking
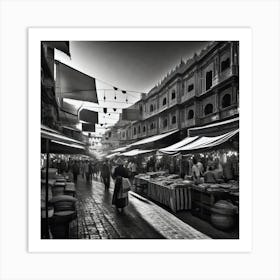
(91, 170)
(87, 170)
(83, 167)
(76, 171)
(122, 186)
(105, 174)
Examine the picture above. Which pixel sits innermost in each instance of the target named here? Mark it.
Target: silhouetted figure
(120, 195)
(105, 174)
(76, 171)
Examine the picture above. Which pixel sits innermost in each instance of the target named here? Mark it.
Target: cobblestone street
(142, 219)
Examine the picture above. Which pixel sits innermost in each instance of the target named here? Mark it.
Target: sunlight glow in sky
(131, 66)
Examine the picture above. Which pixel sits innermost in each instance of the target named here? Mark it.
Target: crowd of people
(121, 171)
(88, 169)
(201, 170)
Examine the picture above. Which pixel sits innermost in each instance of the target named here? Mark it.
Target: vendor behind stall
(209, 175)
(196, 174)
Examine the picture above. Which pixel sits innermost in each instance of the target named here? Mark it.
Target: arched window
(225, 64)
(208, 109)
(173, 120)
(151, 108)
(173, 94)
(151, 126)
(144, 128)
(190, 114)
(164, 101)
(165, 122)
(134, 130)
(139, 129)
(226, 101)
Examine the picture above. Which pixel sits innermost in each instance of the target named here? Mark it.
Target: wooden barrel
(223, 215)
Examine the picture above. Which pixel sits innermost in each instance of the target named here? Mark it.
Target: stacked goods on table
(170, 190)
(231, 187)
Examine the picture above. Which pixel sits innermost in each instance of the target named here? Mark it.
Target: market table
(204, 196)
(175, 196)
(141, 183)
(169, 190)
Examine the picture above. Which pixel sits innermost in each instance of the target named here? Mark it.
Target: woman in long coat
(120, 198)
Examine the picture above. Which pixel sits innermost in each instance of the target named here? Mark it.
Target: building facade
(200, 91)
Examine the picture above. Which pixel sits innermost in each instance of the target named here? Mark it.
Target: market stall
(221, 154)
(169, 190)
(57, 192)
(202, 198)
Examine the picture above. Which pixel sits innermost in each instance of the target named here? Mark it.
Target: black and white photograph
(140, 140)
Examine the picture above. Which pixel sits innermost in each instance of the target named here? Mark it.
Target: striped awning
(153, 138)
(173, 149)
(208, 142)
(135, 152)
(59, 142)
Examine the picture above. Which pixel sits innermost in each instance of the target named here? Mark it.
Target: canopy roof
(208, 142)
(59, 142)
(135, 152)
(153, 138)
(112, 155)
(174, 148)
(215, 129)
(122, 149)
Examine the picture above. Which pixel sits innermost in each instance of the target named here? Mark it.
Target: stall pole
(47, 190)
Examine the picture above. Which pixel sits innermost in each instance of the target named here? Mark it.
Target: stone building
(203, 90)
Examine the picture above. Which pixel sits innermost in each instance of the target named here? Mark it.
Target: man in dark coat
(76, 171)
(105, 174)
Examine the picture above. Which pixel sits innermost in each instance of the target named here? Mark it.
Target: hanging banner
(88, 127)
(88, 116)
(59, 45)
(130, 114)
(67, 119)
(73, 84)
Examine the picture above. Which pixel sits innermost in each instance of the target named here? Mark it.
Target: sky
(132, 66)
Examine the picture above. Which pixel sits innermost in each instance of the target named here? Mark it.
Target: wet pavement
(141, 219)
